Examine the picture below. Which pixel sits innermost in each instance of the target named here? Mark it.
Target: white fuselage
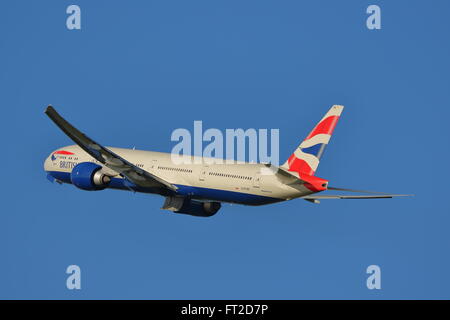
(239, 182)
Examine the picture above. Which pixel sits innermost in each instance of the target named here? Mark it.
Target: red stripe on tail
(324, 127)
(298, 165)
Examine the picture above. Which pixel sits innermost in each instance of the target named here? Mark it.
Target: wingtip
(49, 108)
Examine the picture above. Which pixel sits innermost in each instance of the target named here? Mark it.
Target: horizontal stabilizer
(317, 198)
(381, 196)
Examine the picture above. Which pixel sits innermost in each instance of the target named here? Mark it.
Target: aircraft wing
(136, 175)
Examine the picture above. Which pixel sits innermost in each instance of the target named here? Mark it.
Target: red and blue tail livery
(306, 158)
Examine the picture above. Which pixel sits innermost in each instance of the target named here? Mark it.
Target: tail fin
(306, 157)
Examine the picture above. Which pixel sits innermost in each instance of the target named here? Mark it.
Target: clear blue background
(137, 70)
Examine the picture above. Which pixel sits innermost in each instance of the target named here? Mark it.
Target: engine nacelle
(191, 207)
(87, 176)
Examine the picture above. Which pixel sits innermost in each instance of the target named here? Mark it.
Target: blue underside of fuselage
(183, 190)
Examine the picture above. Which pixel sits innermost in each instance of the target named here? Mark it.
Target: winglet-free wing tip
(49, 108)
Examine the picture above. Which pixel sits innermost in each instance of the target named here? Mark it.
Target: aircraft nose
(48, 163)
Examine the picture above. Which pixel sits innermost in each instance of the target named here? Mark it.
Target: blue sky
(138, 70)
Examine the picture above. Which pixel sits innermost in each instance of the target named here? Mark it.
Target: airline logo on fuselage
(61, 152)
(67, 164)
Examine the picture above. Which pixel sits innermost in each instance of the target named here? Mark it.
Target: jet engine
(191, 207)
(87, 176)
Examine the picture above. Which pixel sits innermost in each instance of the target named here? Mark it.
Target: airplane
(197, 188)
